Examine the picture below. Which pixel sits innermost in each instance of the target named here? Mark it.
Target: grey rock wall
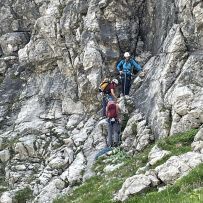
(54, 54)
(168, 94)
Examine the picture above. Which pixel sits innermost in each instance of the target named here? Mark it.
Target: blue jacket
(127, 67)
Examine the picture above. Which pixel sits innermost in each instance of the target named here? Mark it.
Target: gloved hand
(142, 74)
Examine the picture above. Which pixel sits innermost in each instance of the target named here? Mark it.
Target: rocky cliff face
(54, 54)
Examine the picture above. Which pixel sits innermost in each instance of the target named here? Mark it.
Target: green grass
(8, 143)
(93, 190)
(23, 195)
(102, 187)
(160, 162)
(3, 185)
(183, 191)
(179, 143)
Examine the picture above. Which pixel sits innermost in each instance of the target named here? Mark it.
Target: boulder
(12, 42)
(157, 154)
(74, 173)
(177, 166)
(4, 155)
(133, 185)
(199, 135)
(50, 191)
(6, 198)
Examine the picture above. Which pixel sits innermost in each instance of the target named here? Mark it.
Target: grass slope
(186, 190)
(102, 187)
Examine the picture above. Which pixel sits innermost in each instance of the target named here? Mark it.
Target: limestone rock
(143, 169)
(174, 41)
(3, 67)
(74, 173)
(6, 198)
(199, 135)
(1, 143)
(50, 191)
(57, 163)
(20, 167)
(153, 177)
(12, 42)
(79, 137)
(73, 121)
(68, 104)
(4, 155)
(133, 185)
(92, 57)
(26, 147)
(197, 146)
(156, 154)
(137, 134)
(177, 166)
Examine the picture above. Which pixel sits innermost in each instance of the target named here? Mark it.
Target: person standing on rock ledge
(109, 94)
(112, 114)
(125, 68)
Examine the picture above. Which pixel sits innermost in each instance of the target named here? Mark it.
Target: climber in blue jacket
(125, 68)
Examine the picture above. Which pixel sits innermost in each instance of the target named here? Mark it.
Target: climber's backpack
(111, 111)
(104, 84)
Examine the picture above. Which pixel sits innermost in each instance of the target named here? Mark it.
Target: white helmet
(126, 54)
(115, 81)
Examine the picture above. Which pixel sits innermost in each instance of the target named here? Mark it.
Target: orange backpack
(104, 84)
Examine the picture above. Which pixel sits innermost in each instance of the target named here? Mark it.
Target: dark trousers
(126, 84)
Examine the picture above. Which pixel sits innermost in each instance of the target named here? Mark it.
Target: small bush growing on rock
(23, 195)
(134, 129)
(2, 184)
(124, 121)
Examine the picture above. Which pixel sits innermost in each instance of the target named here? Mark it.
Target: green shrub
(23, 195)
(124, 121)
(134, 129)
